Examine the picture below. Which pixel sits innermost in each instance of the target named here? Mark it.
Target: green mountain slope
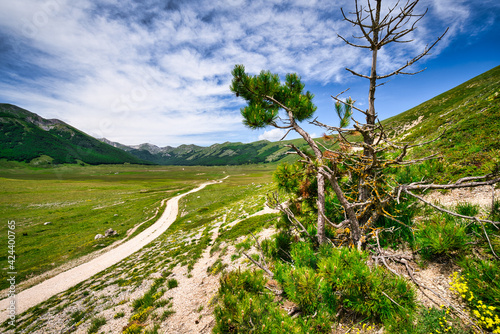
(467, 116)
(25, 136)
(218, 154)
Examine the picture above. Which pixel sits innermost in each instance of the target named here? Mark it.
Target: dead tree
(366, 161)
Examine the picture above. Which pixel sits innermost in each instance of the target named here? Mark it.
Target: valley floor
(60, 283)
(58, 305)
(169, 286)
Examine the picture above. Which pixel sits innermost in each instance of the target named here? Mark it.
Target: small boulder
(110, 232)
(98, 236)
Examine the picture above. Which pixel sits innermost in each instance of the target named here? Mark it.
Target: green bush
(77, 316)
(348, 282)
(301, 285)
(495, 212)
(467, 209)
(483, 280)
(246, 307)
(441, 236)
(133, 329)
(320, 283)
(279, 247)
(344, 280)
(172, 283)
(402, 229)
(119, 315)
(303, 255)
(95, 324)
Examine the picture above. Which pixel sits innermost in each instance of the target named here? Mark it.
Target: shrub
(467, 209)
(172, 283)
(133, 329)
(303, 255)
(143, 302)
(320, 283)
(77, 316)
(279, 247)
(344, 280)
(95, 324)
(166, 314)
(119, 315)
(301, 286)
(402, 230)
(495, 211)
(441, 236)
(349, 282)
(142, 315)
(246, 307)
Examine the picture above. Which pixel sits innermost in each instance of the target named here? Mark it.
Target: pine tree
(285, 105)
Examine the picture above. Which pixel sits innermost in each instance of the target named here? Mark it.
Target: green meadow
(79, 202)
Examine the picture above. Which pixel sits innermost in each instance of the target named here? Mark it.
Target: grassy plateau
(58, 211)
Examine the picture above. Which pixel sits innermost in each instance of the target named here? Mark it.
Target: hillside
(25, 136)
(215, 155)
(468, 119)
(171, 285)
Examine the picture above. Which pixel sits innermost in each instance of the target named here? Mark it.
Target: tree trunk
(321, 208)
(364, 191)
(320, 202)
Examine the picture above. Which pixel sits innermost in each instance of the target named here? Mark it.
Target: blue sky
(159, 71)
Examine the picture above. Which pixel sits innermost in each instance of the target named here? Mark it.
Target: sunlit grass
(80, 202)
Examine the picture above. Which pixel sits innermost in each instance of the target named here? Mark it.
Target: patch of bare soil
(192, 299)
(482, 196)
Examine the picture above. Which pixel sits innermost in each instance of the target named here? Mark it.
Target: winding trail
(63, 281)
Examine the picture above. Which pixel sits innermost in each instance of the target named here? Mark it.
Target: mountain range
(469, 115)
(226, 153)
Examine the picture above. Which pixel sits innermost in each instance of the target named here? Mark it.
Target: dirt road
(41, 292)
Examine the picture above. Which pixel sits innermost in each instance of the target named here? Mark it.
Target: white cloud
(272, 135)
(125, 67)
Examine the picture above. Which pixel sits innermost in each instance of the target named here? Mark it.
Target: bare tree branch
(291, 217)
(448, 211)
(358, 74)
(414, 59)
(269, 272)
(458, 184)
(488, 239)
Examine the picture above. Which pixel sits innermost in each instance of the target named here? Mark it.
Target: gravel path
(41, 292)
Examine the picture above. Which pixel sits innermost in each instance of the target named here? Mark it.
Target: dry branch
(269, 272)
(448, 211)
